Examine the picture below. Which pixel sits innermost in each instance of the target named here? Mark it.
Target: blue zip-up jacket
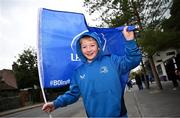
(99, 82)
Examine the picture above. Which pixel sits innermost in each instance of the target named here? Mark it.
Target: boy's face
(89, 48)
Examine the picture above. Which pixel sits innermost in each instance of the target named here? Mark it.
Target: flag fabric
(58, 31)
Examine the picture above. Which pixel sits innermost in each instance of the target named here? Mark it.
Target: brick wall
(7, 103)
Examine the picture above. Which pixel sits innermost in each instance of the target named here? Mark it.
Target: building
(9, 93)
(165, 62)
(7, 80)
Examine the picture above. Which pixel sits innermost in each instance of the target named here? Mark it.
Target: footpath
(153, 102)
(144, 103)
(20, 109)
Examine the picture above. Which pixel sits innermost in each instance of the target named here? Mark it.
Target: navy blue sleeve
(70, 96)
(130, 60)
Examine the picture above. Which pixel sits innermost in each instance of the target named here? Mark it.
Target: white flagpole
(39, 62)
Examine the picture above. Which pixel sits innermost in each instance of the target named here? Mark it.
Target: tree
(145, 13)
(154, 41)
(113, 13)
(25, 69)
(119, 12)
(173, 24)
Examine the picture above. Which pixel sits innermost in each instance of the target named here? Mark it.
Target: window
(159, 70)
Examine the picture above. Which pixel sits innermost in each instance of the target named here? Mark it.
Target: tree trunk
(156, 77)
(141, 28)
(145, 77)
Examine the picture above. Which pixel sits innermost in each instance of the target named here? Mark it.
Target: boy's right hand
(129, 35)
(48, 107)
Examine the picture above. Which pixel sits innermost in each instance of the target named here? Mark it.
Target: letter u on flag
(58, 31)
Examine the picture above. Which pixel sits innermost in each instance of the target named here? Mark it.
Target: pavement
(142, 103)
(153, 102)
(20, 109)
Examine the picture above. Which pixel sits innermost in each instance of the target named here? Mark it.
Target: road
(74, 110)
(145, 103)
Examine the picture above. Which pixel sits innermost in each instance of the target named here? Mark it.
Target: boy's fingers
(48, 110)
(44, 107)
(125, 28)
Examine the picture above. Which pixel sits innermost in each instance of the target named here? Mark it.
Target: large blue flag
(58, 31)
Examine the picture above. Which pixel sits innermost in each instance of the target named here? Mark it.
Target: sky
(19, 24)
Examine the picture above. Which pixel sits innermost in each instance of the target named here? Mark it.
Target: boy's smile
(89, 48)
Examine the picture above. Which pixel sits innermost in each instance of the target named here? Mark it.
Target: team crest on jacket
(82, 76)
(103, 69)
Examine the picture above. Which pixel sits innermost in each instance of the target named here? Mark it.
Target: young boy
(98, 80)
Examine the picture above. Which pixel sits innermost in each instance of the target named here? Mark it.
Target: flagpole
(42, 89)
(40, 78)
(39, 62)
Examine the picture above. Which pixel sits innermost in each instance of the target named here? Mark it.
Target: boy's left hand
(129, 35)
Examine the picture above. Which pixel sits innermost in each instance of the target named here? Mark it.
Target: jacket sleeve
(70, 96)
(130, 60)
